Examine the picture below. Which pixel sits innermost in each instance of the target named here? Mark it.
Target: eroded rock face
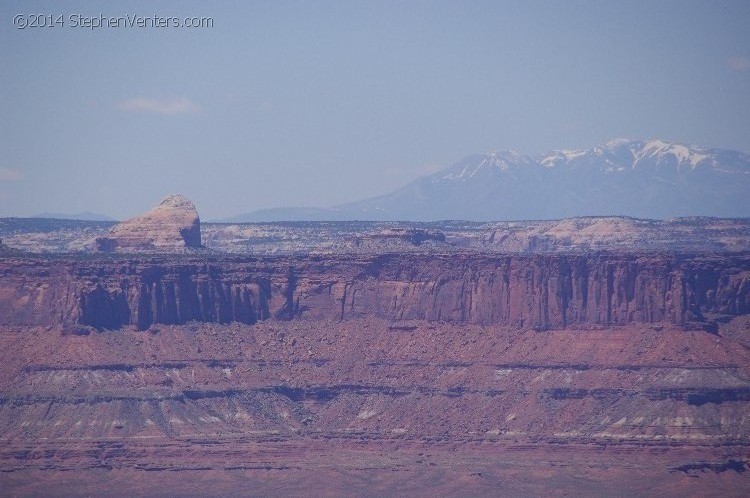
(357, 355)
(172, 225)
(398, 239)
(539, 291)
(415, 236)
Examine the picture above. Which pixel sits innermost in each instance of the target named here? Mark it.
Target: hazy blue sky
(318, 103)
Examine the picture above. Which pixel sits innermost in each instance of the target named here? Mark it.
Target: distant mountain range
(645, 179)
(84, 216)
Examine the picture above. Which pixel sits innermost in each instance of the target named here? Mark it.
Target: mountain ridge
(622, 177)
(82, 216)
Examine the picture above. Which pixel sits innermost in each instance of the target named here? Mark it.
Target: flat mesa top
(163, 229)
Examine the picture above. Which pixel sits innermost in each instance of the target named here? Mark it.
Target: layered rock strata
(173, 224)
(348, 371)
(536, 291)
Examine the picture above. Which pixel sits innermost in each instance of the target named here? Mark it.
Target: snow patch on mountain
(645, 179)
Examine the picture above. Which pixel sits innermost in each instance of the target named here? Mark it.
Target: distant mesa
(172, 225)
(414, 236)
(84, 216)
(399, 239)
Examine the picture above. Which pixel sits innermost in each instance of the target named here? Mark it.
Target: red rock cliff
(537, 291)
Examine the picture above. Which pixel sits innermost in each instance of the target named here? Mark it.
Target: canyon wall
(529, 291)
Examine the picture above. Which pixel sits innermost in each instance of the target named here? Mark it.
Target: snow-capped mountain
(645, 179)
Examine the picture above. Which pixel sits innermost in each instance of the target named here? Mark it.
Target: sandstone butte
(172, 225)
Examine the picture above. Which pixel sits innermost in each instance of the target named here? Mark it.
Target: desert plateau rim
(402, 359)
(436, 248)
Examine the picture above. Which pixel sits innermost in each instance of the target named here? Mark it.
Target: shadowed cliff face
(367, 357)
(539, 291)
